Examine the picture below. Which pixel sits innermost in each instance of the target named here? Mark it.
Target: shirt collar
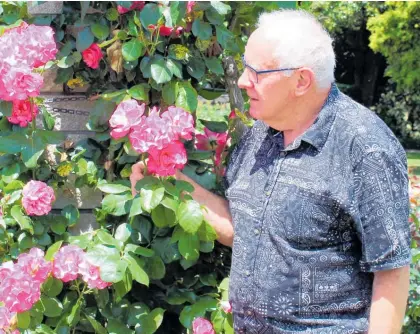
(317, 134)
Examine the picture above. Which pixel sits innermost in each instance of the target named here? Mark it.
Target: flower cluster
(202, 326)
(157, 134)
(135, 5)
(37, 198)
(212, 141)
(20, 282)
(70, 262)
(22, 49)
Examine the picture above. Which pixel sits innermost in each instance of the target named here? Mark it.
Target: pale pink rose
(202, 326)
(22, 113)
(190, 6)
(91, 276)
(92, 56)
(5, 317)
(127, 115)
(6, 270)
(19, 291)
(226, 306)
(35, 265)
(212, 141)
(18, 82)
(182, 122)
(166, 161)
(66, 263)
(153, 132)
(37, 198)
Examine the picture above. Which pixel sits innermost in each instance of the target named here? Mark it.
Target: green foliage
(395, 32)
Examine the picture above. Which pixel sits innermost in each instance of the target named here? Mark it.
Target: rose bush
(153, 264)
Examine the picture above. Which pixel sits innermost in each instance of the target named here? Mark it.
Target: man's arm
(389, 300)
(217, 213)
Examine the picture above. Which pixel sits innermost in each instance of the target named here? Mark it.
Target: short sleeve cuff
(387, 264)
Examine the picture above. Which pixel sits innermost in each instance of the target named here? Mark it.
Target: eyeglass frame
(245, 64)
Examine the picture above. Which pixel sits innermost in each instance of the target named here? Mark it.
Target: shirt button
(267, 193)
(257, 231)
(247, 273)
(249, 312)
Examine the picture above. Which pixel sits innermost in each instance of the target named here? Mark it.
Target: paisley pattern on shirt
(314, 220)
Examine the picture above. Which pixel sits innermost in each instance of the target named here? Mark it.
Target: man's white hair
(300, 40)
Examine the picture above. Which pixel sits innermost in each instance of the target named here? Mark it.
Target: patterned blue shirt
(314, 220)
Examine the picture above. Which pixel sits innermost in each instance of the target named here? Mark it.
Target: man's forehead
(258, 52)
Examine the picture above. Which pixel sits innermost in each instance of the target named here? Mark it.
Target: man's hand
(137, 173)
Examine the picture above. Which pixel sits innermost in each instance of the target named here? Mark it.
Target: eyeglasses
(253, 73)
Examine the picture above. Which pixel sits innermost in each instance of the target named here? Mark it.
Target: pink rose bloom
(190, 6)
(202, 326)
(136, 5)
(182, 122)
(92, 56)
(127, 115)
(152, 132)
(212, 141)
(37, 198)
(66, 263)
(22, 113)
(18, 82)
(226, 306)
(34, 265)
(167, 31)
(90, 275)
(5, 317)
(6, 269)
(164, 162)
(19, 291)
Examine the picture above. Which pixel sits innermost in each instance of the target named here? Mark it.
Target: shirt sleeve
(382, 202)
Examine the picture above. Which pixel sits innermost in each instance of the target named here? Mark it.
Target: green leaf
(6, 108)
(202, 29)
(178, 51)
(113, 270)
(74, 317)
(52, 306)
(99, 254)
(175, 67)
(10, 173)
(32, 150)
(150, 198)
(146, 252)
(159, 70)
(58, 225)
(117, 205)
(23, 320)
(47, 119)
(184, 186)
(133, 50)
(214, 17)
(84, 39)
(140, 92)
(123, 232)
(13, 143)
(224, 36)
(166, 250)
(196, 67)
(83, 241)
(99, 329)
(219, 127)
(100, 115)
(206, 232)
(215, 65)
(64, 75)
(135, 207)
(145, 67)
(24, 222)
(155, 268)
(66, 62)
(168, 92)
(190, 216)
(122, 287)
(110, 188)
(189, 246)
(152, 321)
(49, 256)
(116, 327)
(220, 7)
(71, 213)
(136, 313)
(186, 96)
(206, 246)
(163, 217)
(150, 14)
(52, 287)
(107, 239)
(135, 266)
(84, 6)
(100, 31)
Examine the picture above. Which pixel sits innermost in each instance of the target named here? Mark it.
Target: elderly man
(317, 196)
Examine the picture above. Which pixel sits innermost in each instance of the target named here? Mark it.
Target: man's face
(272, 94)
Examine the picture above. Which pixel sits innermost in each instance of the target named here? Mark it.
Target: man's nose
(243, 81)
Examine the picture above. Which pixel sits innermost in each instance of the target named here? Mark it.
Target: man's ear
(305, 80)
